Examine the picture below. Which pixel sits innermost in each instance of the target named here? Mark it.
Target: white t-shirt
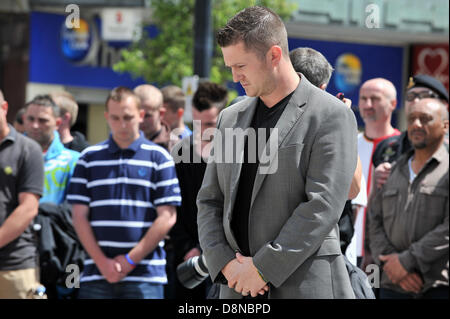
(355, 245)
(366, 148)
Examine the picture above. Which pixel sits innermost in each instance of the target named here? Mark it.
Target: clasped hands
(115, 269)
(243, 277)
(410, 282)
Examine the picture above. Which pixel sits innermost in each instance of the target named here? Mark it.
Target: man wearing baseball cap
(419, 87)
(408, 216)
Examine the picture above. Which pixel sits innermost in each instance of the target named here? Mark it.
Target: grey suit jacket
(296, 203)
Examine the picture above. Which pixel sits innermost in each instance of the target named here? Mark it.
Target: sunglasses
(411, 96)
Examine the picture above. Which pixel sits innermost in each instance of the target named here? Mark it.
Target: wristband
(131, 262)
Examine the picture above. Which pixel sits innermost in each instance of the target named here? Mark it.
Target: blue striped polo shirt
(122, 188)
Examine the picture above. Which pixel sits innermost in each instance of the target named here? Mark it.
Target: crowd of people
(157, 192)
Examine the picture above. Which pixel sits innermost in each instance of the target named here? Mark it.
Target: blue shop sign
(356, 63)
(75, 56)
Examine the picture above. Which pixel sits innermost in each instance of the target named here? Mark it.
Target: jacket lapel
(290, 116)
(243, 121)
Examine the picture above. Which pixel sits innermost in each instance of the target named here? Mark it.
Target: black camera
(192, 272)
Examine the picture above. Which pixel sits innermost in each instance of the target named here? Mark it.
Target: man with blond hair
(174, 101)
(154, 128)
(69, 112)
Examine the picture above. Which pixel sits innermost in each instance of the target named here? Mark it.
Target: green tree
(168, 57)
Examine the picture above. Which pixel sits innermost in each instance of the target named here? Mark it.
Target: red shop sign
(433, 60)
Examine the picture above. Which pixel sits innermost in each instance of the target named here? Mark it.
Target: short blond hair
(67, 104)
(173, 97)
(120, 93)
(150, 95)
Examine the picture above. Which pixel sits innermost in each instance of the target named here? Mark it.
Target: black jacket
(58, 244)
(78, 143)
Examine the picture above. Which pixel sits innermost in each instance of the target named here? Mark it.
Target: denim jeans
(101, 289)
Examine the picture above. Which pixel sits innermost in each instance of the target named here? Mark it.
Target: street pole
(203, 38)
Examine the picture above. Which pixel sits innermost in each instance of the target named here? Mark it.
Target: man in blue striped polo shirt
(124, 192)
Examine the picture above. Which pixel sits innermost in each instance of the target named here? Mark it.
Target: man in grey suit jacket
(269, 226)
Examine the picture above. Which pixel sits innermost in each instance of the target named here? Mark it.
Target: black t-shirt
(21, 170)
(78, 143)
(266, 118)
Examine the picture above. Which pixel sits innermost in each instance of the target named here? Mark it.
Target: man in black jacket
(192, 153)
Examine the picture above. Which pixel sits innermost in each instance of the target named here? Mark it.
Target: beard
(369, 116)
(42, 139)
(420, 145)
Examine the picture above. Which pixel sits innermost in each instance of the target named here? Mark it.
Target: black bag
(346, 229)
(58, 245)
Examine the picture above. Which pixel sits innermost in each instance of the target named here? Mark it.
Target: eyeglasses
(411, 96)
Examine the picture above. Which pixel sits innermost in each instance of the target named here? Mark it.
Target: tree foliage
(169, 56)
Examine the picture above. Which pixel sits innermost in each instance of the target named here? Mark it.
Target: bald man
(154, 128)
(377, 101)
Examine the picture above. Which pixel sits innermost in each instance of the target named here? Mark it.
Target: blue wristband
(130, 261)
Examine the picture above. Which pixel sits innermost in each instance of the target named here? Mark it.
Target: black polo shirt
(21, 170)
